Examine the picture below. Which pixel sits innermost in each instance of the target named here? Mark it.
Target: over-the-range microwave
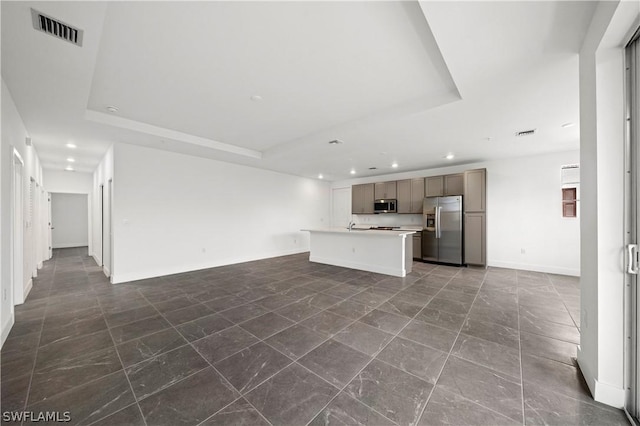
(385, 206)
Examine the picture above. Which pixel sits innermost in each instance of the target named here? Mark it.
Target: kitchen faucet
(351, 223)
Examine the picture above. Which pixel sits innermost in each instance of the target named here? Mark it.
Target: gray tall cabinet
(475, 217)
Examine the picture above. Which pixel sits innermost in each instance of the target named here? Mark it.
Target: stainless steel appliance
(384, 206)
(442, 229)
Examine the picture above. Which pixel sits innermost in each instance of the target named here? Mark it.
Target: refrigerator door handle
(438, 232)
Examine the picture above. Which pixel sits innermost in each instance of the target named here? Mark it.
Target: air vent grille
(526, 132)
(56, 28)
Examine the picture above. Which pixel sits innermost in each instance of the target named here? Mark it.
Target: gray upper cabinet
(410, 195)
(417, 195)
(385, 190)
(475, 183)
(433, 186)
(454, 184)
(362, 199)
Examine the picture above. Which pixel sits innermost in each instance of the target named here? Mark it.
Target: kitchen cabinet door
(433, 186)
(417, 195)
(362, 199)
(367, 198)
(417, 246)
(475, 184)
(475, 239)
(405, 196)
(454, 184)
(385, 191)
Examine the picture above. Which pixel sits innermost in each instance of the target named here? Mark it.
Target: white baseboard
(70, 245)
(40, 265)
(601, 392)
(160, 272)
(28, 289)
(106, 271)
(95, 258)
(549, 269)
(6, 328)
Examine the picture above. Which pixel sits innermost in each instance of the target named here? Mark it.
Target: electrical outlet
(522, 251)
(295, 241)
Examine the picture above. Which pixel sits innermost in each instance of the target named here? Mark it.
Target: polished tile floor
(287, 342)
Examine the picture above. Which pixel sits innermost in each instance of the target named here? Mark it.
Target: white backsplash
(388, 219)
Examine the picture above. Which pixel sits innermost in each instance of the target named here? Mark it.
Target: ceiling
(269, 84)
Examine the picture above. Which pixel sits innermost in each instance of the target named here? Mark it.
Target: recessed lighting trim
(112, 109)
(353, 172)
(71, 145)
(71, 160)
(69, 169)
(394, 165)
(566, 125)
(256, 98)
(449, 156)
(320, 176)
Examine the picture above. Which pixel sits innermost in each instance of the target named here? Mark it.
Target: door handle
(632, 259)
(438, 230)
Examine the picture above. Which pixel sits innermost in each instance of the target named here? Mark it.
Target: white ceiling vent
(526, 132)
(56, 28)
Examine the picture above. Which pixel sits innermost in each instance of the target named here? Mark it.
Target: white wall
(13, 136)
(524, 212)
(69, 217)
(601, 354)
(101, 177)
(175, 213)
(69, 182)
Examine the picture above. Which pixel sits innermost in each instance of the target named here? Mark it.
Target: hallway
(284, 341)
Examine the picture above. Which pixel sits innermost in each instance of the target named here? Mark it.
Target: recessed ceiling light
(69, 169)
(71, 145)
(565, 125)
(449, 156)
(320, 176)
(489, 138)
(335, 142)
(383, 153)
(256, 98)
(112, 109)
(394, 165)
(71, 160)
(353, 172)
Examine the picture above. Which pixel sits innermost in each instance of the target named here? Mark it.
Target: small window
(569, 202)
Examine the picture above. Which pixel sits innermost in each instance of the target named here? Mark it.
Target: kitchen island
(384, 252)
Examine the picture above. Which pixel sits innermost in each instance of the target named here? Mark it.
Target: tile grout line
(380, 351)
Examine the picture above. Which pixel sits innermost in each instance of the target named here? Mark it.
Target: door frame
(17, 229)
(632, 227)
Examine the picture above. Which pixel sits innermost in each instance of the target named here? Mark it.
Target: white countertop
(364, 231)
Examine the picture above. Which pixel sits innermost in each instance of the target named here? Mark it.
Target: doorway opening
(70, 218)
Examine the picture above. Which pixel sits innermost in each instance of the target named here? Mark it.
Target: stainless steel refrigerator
(442, 229)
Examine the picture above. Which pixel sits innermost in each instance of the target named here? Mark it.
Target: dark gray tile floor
(287, 342)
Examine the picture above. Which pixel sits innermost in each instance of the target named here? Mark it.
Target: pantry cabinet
(475, 239)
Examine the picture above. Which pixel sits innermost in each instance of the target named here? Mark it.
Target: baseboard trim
(535, 268)
(6, 329)
(106, 271)
(601, 392)
(27, 289)
(70, 245)
(95, 258)
(142, 275)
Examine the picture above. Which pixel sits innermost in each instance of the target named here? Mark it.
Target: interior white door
(340, 207)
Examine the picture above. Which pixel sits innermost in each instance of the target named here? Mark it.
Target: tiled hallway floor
(288, 342)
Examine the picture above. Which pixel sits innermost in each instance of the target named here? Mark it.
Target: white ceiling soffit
(192, 68)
